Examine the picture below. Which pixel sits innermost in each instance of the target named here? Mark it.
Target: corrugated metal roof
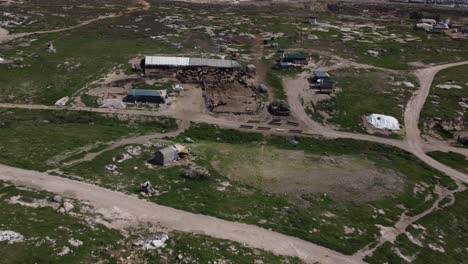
(216, 63)
(321, 74)
(185, 61)
(144, 92)
(167, 61)
(297, 56)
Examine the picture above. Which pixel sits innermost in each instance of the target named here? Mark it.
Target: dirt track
(412, 112)
(128, 211)
(5, 37)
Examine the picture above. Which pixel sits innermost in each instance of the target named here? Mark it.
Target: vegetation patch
(439, 237)
(316, 216)
(452, 159)
(362, 92)
(447, 102)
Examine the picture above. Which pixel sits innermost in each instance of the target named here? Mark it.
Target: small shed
(166, 156)
(295, 58)
(312, 20)
(146, 96)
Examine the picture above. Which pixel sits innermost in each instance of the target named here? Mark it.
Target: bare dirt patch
(295, 173)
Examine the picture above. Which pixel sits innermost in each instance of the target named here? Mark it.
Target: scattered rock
(57, 199)
(121, 158)
(156, 242)
(436, 248)
(373, 53)
(111, 167)
(75, 242)
(189, 140)
(68, 206)
(133, 150)
(50, 48)
(10, 236)
(65, 251)
(449, 86)
(408, 84)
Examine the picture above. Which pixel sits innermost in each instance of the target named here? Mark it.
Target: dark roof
(321, 74)
(144, 92)
(295, 56)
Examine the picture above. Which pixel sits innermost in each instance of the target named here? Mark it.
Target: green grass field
(31, 137)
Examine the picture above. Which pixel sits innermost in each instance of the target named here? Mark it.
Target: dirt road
(127, 211)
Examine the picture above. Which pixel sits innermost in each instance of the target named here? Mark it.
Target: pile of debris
(196, 172)
(147, 189)
(201, 75)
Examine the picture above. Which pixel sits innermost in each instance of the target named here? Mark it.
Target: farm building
(170, 154)
(294, 58)
(163, 62)
(322, 81)
(166, 156)
(146, 96)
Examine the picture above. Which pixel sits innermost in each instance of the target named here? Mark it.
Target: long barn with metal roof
(164, 61)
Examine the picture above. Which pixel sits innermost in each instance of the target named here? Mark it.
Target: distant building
(146, 96)
(465, 30)
(295, 58)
